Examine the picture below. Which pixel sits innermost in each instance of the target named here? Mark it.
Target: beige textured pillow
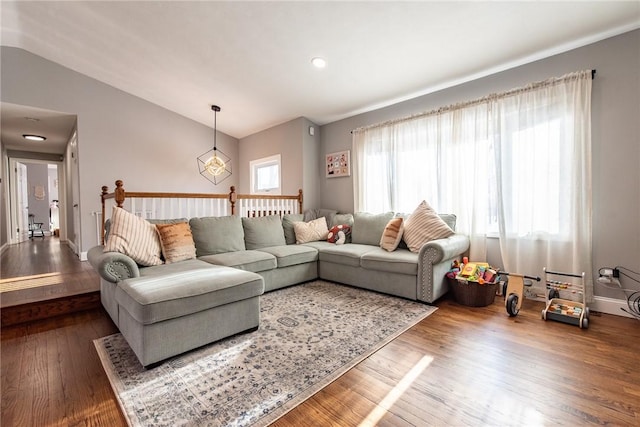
(135, 237)
(176, 241)
(424, 225)
(311, 231)
(392, 234)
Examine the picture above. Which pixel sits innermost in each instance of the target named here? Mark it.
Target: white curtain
(440, 158)
(515, 165)
(542, 149)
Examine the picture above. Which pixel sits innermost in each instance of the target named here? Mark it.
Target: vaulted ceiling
(254, 58)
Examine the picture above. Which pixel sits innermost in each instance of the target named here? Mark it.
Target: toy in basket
(514, 291)
(474, 284)
(564, 309)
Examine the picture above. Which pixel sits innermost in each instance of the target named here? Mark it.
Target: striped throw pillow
(424, 225)
(134, 237)
(176, 241)
(392, 234)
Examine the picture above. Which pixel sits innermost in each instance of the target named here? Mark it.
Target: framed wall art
(338, 164)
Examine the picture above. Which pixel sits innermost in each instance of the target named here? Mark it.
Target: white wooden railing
(158, 205)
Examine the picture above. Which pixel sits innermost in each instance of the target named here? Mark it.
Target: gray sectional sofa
(168, 309)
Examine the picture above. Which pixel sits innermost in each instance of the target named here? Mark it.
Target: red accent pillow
(332, 237)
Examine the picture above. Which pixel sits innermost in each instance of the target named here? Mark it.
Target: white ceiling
(254, 58)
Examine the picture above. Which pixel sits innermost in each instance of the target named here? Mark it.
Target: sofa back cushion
(342, 219)
(449, 219)
(311, 214)
(287, 225)
(216, 235)
(263, 232)
(368, 228)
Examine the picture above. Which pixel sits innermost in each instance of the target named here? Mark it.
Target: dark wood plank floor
(459, 366)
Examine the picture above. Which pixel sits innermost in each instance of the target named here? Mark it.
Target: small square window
(265, 175)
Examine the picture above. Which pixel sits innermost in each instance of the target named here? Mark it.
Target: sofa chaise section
(164, 315)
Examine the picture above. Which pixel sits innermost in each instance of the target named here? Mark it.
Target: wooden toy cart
(564, 309)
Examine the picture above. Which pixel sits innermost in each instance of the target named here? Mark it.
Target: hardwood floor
(459, 366)
(40, 278)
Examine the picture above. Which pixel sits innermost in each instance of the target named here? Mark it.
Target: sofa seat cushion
(348, 254)
(400, 261)
(288, 255)
(320, 245)
(255, 261)
(172, 268)
(155, 298)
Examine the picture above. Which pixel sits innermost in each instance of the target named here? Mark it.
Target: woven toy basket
(473, 294)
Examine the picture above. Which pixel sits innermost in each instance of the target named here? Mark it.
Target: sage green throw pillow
(216, 235)
(263, 232)
(368, 228)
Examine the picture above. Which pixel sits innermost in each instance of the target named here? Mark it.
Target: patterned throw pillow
(424, 225)
(332, 237)
(176, 241)
(311, 231)
(392, 234)
(134, 237)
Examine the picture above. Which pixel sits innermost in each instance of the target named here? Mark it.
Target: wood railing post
(232, 199)
(119, 193)
(105, 191)
(300, 201)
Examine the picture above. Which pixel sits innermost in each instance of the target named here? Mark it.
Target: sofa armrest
(445, 249)
(434, 260)
(112, 266)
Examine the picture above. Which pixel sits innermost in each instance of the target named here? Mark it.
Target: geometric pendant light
(214, 164)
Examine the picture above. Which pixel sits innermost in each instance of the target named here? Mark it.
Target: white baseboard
(610, 306)
(3, 247)
(83, 256)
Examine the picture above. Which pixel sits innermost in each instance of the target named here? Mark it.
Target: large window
(265, 175)
(515, 165)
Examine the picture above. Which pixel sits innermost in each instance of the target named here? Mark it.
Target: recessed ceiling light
(34, 137)
(319, 62)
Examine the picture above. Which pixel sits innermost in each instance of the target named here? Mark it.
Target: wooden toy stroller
(513, 291)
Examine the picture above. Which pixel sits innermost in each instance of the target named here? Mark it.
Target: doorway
(36, 197)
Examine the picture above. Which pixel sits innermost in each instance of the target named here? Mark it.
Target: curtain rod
(593, 76)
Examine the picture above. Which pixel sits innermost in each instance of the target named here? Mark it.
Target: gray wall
(120, 136)
(298, 155)
(615, 140)
(312, 164)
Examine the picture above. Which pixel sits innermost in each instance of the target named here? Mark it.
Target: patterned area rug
(309, 335)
